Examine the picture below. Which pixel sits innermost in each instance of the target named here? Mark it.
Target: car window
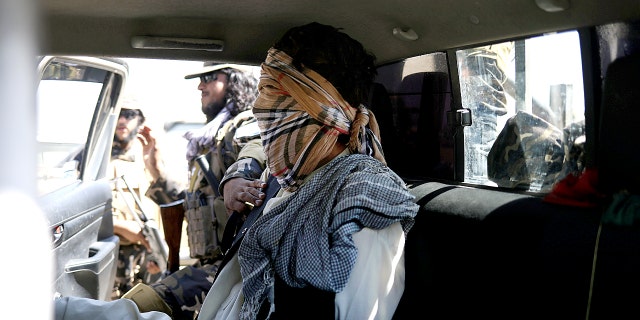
(421, 145)
(58, 142)
(525, 103)
(526, 99)
(67, 98)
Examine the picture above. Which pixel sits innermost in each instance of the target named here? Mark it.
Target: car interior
(512, 122)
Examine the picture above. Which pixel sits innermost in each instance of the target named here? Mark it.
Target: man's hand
(131, 231)
(241, 195)
(150, 152)
(152, 267)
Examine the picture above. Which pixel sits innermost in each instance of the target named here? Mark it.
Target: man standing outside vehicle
(136, 261)
(229, 142)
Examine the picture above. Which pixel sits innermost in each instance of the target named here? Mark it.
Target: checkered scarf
(301, 115)
(203, 138)
(307, 238)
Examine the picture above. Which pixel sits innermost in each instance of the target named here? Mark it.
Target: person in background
(131, 147)
(330, 243)
(145, 302)
(228, 143)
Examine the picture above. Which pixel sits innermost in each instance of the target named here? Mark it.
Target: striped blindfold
(301, 115)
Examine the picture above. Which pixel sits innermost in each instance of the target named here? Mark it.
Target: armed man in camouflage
(528, 154)
(229, 142)
(533, 154)
(136, 262)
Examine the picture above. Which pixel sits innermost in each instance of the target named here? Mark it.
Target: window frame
(456, 130)
(589, 82)
(96, 154)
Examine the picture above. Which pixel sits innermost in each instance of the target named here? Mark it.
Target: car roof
(248, 28)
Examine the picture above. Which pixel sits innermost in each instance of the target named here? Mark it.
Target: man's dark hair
(333, 54)
(242, 90)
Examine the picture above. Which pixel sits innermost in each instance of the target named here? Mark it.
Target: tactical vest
(204, 207)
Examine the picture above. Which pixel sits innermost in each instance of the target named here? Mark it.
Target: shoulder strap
(203, 165)
(231, 231)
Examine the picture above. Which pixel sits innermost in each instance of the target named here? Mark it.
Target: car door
(76, 119)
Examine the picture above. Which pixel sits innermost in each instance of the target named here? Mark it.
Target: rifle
(149, 226)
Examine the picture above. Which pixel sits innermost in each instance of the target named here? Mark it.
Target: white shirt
(373, 290)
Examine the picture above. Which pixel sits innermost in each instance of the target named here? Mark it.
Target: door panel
(77, 115)
(83, 265)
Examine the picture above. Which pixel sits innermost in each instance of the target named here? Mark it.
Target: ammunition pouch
(206, 218)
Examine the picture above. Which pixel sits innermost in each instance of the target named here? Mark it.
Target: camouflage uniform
(574, 149)
(528, 152)
(132, 257)
(237, 150)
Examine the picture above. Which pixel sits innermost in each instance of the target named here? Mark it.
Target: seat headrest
(618, 152)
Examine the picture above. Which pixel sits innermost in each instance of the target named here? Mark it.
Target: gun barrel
(149, 227)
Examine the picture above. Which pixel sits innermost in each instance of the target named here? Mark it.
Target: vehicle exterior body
(492, 238)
